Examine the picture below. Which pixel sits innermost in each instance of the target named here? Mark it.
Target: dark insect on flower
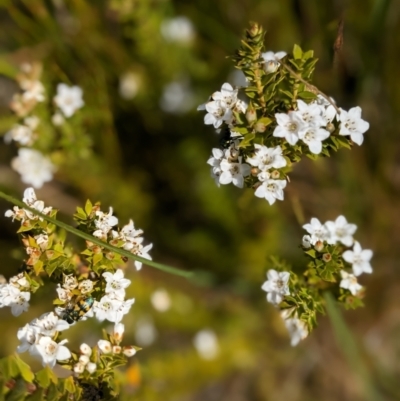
(226, 141)
(77, 308)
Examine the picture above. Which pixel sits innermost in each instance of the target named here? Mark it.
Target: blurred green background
(148, 160)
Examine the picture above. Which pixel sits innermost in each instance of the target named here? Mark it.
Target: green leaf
(24, 369)
(308, 54)
(9, 367)
(265, 120)
(247, 140)
(297, 52)
(98, 257)
(46, 376)
(306, 95)
(88, 207)
(311, 252)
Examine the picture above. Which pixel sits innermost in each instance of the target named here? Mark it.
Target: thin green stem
(94, 240)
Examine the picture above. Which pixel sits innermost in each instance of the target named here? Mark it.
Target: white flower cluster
(113, 306)
(15, 294)
(311, 123)
(340, 231)
(68, 99)
(23, 133)
(227, 167)
(31, 200)
(37, 337)
(221, 106)
(132, 241)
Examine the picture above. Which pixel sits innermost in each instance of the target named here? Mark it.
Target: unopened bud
(319, 246)
(306, 242)
(326, 257)
(91, 367)
(117, 349)
(254, 30)
(129, 351)
(330, 127)
(275, 174)
(254, 171)
(104, 346)
(84, 360)
(118, 332)
(85, 349)
(260, 127)
(79, 368)
(251, 114)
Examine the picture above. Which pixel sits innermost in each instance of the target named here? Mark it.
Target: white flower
(50, 351)
(234, 172)
(33, 90)
(104, 222)
(317, 231)
(84, 359)
(349, 282)
(20, 281)
(227, 96)
(14, 298)
(276, 286)
(359, 259)
(106, 308)
(306, 241)
(265, 158)
(79, 368)
(57, 119)
(206, 344)
(310, 113)
(270, 189)
(85, 286)
(50, 323)
(123, 309)
(313, 137)
(129, 351)
(215, 162)
(104, 346)
(341, 230)
(142, 251)
(69, 99)
(34, 168)
(271, 60)
(42, 240)
(297, 330)
(63, 294)
(179, 29)
(352, 124)
(217, 114)
(116, 284)
(29, 336)
(21, 134)
(160, 300)
(118, 332)
(129, 84)
(70, 282)
(289, 126)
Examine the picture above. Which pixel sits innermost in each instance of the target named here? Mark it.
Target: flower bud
(260, 127)
(306, 241)
(254, 171)
(91, 367)
(254, 30)
(79, 368)
(104, 346)
(116, 349)
(319, 246)
(326, 257)
(251, 114)
(275, 174)
(85, 349)
(118, 333)
(84, 360)
(330, 127)
(129, 351)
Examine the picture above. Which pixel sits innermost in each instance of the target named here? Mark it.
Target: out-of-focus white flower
(104, 346)
(179, 29)
(33, 90)
(57, 119)
(349, 282)
(85, 349)
(69, 99)
(270, 189)
(34, 168)
(129, 351)
(70, 282)
(21, 134)
(289, 126)
(265, 158)
(276, 286)
(91, 367)
(85, 286)
(340, 230)
(129, 85)
(29, 336)
(352, 124)
(160, 300)
(50, 351)
(177, 97)
(359, 259)
(116, 284)
(12, 297)
(145, 333)
(104, 222)
(297, 329)
(317, 231)
(63, 294)
(206, 344)
(79, 368)
(118, 332)
(306, 241)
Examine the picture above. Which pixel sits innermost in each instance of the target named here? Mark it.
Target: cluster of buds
(335, 262)
(282, 118)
